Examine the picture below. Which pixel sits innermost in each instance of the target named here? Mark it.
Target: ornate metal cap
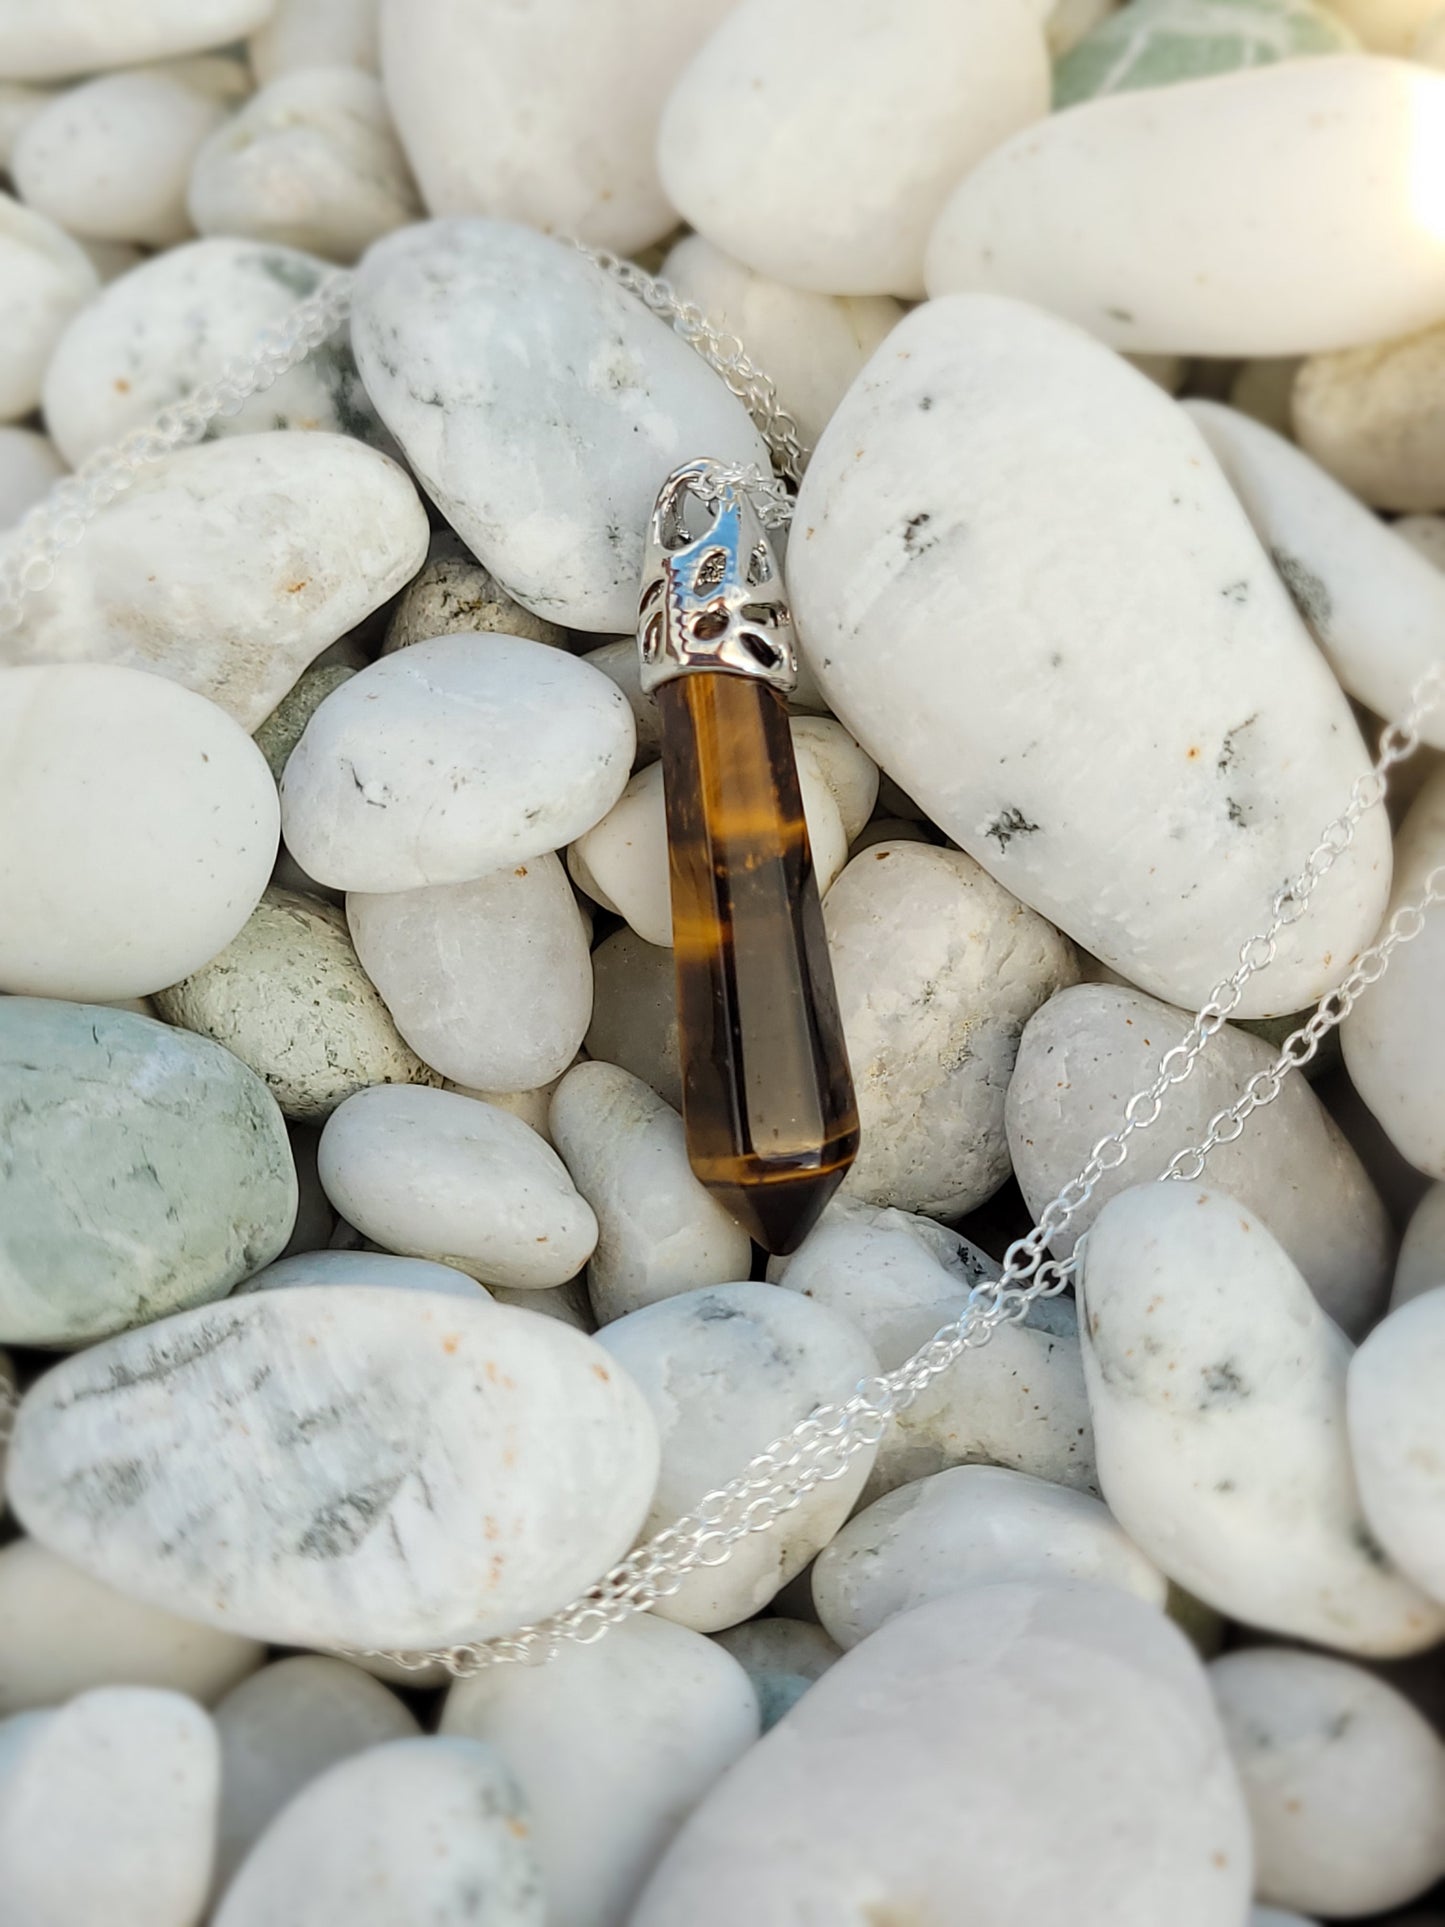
(712, 592)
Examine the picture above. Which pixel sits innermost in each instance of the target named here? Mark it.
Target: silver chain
(822, 1446)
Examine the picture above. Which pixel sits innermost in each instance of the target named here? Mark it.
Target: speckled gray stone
(454, 595)
(145, 1170)
(282, 730)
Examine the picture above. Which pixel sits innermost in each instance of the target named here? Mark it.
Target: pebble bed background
(338, 1039)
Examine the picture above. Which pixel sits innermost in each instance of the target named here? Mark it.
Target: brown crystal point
(772, 1125)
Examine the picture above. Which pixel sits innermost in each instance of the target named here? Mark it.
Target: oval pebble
(438, 1821)
(904, 572)
(1273, 211)
(80, 36)
(481, 1465)
(473, 336)
(44, 278)
(1372, 417)
(364, 1268)
(490, 982)
(315, 33)
(634, 1012)
(1420, 1266)
(658, 1231)
(145, 1170)
(28, 467)
(1154, 43)
(108, 1810)
(1084, 1054)
(453, 758)
(282, 1727)
(613, 1745)
(821, 191)
(894, 1785)
(452, 594)
(1217, 1387)
(726, 1370)
(432, 1174)
(1345, 1781)
(782, 1658)
(937, 970)
(1397, 1436)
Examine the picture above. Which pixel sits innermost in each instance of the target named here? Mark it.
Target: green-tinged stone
(143, 1170)
(285, 726)
(1153, 43)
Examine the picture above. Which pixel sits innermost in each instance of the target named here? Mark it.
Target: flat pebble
(974, 1525)
(157, 332)
(436, 1826)
(634, 1012)
(432, 1174)
(80, 36)
(28, 467)
(1344, 1780)
(490, 982)
(1397, 1436)
(476, 339)
(289, 998)
(1274, 211)
(110, 160)
(658, 1231)
(63, 1633)
(982, 423)
(782, 1658)
(726, 1370)
(481, 1465)
(229, 567)
(613, 1745)
(573, 156)
(1420, 1266)
(1154, 43)
(282, 1727)
(1393, 1040)
(315, 33)
(938, 968)
(365, 1268)
(452, 594)
(453, 758)
(821, 192)
(1217, 1387)
(146, 1170)
(870, 1795)
(311, 161)
(44, 278)
(108, 1810)
(1092, 1046)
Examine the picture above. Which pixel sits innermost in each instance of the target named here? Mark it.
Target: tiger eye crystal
(772, 1125)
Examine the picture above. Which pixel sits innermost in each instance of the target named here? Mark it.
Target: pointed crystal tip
(779, 1210)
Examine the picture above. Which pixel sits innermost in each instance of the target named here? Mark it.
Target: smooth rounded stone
(145, 1170)
(431, 1174)
(1217, 1387)
(161, 330)
(545, 114)
(282, 1727)
(727, 1370)
(490, 982)
(1274, 211)
(1375, 605)
(476, 338)
(812, 345)
(453, 594)
(821, 192)
(108, 1810)
(1420, 1267)
(849, 772)
(881, 1268)
(283, 729)
(658, 1231)
(938, 969)
(1373, 417)
(19, 105)
(67, 37)
(566, 1303)
(634, 1012)
(44, 278)
(1397, 1436)
(229, 567)
(1393, 1040)
(886, 829)
(625, 855)
(981, 423)
(110, 160)
(1084, 1054)
(63, 1633)
(1344, 1780)
(1154, 43)
(619, 661)
(480, 1466)
(974, 1525)
(367, 1268)
(534, 1107)
(613, 1745)
(311, 161)
(432, 1826)
(28, 467)
(782, 1658)
(451, 759)
(1049, 1751)
(315, 33)
(289, 998)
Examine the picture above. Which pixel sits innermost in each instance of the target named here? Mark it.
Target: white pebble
(1372, 417)
(79, 36)
(634, 1012)
(364, 1268)
(44, 278)
(847, 769)
(1420, 1266)
(28, 467)
(1397, 1436)
(19, 105)
(315, 33)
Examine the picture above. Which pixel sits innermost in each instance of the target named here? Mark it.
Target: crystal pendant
(767, 1097)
